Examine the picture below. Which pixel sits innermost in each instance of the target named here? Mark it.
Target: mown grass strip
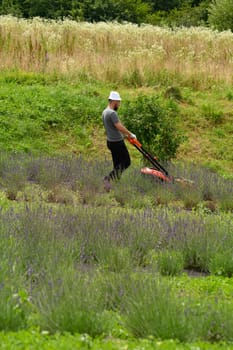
(34, 340)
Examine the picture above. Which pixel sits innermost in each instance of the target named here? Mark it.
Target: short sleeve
(114, 117)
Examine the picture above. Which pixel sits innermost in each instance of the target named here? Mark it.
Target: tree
(9, 7)
(135, 11)
(189, 15)
(165, 5)
(155, 123)
(160, 12)
(221, 14)
(39, 8)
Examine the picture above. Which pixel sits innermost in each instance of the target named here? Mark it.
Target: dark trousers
(120, 158)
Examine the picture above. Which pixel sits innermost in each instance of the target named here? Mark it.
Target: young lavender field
(77, 259)
(77, 181)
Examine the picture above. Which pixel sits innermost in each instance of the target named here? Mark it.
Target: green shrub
(221, 14)
(155, 124)
(188, 15)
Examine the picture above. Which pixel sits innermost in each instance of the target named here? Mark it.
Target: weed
(212, 113)
(230, 95)
(174, 93)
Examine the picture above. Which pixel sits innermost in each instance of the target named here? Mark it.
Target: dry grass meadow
(114, 52)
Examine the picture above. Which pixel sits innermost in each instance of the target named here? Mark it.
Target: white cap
(114, 96)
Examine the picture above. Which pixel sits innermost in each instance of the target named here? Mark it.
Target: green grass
(50, 114)
(42, 115)
(39, 341)
(208, 119)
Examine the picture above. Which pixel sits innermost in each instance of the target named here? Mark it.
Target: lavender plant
(71, 303)
(14, 305)
(52, 256)
(74, 180)
(153, 308)
(170, 263)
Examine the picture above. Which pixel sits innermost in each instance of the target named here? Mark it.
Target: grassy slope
(45, 114)
(208, 121)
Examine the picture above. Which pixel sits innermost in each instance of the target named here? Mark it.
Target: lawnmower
(157, 171)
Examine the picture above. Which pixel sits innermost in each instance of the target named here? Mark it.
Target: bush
(155, 124)
(221, 14)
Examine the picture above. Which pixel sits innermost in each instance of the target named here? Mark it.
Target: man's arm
(123, 129)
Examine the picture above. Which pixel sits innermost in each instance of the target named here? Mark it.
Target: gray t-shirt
(110, 118)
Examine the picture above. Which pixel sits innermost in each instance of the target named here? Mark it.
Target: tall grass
(114, 52)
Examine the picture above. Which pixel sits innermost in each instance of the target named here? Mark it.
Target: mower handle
(147, 155)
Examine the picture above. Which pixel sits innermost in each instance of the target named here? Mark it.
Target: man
(115, 131)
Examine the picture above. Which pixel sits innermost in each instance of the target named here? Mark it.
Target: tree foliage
(155, 124)
(221, 14)
(135, 11)
(159, 12)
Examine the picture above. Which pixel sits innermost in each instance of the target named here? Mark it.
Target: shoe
(107, 184)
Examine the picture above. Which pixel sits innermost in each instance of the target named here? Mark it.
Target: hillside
(38, 114)
(56, 76)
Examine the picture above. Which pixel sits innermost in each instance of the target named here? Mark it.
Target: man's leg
(120, 158)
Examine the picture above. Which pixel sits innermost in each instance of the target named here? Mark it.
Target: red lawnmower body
(157, 170)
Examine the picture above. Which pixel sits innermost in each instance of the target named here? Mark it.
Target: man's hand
(132, 136)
